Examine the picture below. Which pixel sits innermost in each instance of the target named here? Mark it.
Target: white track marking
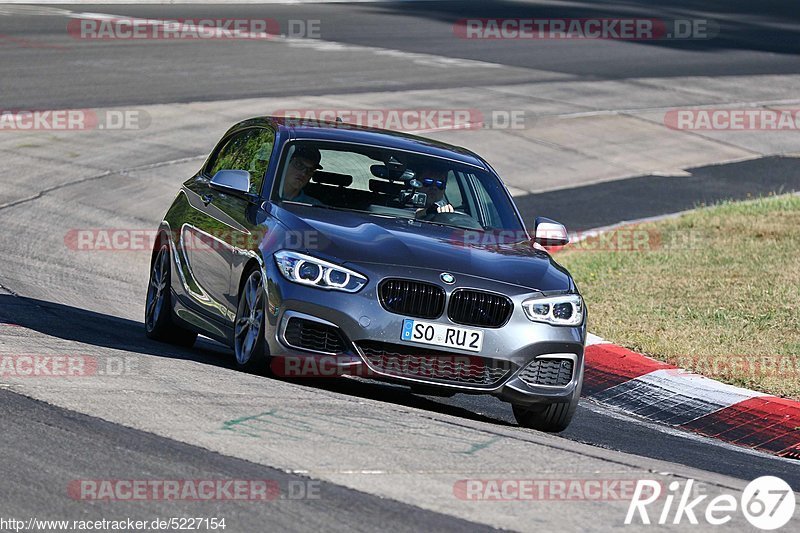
(319, 45)
(674, 396)
(17, 7)
(696, 386)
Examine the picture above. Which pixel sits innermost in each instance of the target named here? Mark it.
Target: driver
(304, 162)
(434, 181)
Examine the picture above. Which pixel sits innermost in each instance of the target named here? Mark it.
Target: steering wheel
(457, 218)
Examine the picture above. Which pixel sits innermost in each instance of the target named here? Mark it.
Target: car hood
(358, 238)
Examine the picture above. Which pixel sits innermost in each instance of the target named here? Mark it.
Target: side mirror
(549, 232)
(232, 181)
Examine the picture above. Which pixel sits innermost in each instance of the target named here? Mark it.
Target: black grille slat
(412, 298)
(434, 365)
(311, 335)
(478, 308)
(552, 372)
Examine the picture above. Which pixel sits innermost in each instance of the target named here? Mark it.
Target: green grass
(716, 291)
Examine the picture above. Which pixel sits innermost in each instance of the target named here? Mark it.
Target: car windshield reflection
(388, 183)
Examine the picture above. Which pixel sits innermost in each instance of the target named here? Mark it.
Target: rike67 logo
(767, 502)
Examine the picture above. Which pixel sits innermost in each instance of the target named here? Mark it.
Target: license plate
(442, 335)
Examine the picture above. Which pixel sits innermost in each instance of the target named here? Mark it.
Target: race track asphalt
(383, 458)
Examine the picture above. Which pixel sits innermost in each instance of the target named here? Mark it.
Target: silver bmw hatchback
(326, 249)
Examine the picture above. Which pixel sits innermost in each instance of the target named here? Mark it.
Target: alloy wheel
(250, 318)
(156, 291)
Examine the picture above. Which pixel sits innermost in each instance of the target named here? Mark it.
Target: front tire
(158, 321)
(248, 336)
(550, 417)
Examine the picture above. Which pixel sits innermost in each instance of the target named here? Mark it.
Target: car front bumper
(361, 319)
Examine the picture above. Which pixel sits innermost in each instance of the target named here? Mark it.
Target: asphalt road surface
(55, 70)
(382, 458)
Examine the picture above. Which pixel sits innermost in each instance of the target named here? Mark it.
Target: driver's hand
(440, 206)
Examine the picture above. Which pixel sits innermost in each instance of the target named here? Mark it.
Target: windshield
(385, 182)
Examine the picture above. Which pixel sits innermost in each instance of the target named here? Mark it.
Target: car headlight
(566, 310)
(308, 270)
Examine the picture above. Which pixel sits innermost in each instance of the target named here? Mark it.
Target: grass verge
(715, 291)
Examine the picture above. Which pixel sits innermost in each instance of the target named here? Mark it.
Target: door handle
(206, 198)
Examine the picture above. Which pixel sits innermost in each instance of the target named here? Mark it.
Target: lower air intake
(551, 372)
(314, 336)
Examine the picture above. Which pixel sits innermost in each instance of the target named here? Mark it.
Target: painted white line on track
(319, 45)
(46, 7)
(697, 386)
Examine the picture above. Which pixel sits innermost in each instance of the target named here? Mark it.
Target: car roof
(302, 129)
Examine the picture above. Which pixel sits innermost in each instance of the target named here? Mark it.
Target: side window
(249, 150)
(486, 202)
(453, 192)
